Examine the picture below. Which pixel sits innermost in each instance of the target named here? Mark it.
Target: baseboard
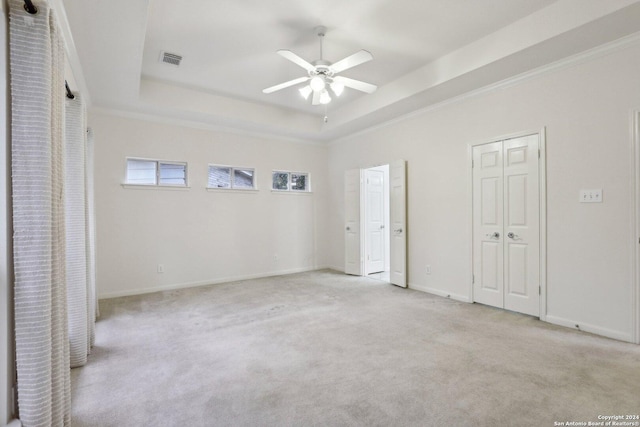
(609, 333)
(175, 286)
(14, 423)
(439, 292)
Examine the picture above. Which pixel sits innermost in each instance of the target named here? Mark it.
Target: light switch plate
(591, 196)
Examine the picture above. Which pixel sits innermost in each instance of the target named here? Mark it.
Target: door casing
(635, 232)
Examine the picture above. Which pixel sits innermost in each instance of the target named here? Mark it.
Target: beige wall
(201, 236)
(586, 109)
(204, 237)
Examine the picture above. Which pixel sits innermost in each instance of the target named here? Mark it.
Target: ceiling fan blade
(285, 84)
(356, 84)
(351, 61)
(316, 98)
(296, 59)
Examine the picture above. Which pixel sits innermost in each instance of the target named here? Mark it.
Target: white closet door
(521, 225)
(398, 214)
(487, 224)
(506, 224)
(352, 253)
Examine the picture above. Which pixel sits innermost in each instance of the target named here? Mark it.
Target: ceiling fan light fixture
(325, 98)
(306, 91)
(321, 80)
(337, 88)
(317, 83)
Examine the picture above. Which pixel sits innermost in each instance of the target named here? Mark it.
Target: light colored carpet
(325, 349)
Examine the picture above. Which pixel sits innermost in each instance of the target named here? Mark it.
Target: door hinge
(472, 163)
(538, 153)
(539, 290)
(473, 279)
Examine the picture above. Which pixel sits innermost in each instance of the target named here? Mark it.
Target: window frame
(232, 170)
(158, 163)
(290, 188)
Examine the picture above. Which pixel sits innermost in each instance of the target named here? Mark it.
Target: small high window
(290, 181)
(231, 177)
(156, 172)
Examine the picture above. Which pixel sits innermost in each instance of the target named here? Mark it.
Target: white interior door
(398, 220)
(521, 225)
(506, 224)
(353, 259)
(488, 232)
(375, 218)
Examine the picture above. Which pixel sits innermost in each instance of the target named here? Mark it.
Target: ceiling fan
(323, 76)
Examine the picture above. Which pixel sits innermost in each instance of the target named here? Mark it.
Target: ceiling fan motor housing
(321, 67)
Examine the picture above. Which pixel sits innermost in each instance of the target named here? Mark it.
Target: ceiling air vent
(170, 58)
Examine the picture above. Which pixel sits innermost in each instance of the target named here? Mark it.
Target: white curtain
(78, 293)
(37, 150)
(92, 295)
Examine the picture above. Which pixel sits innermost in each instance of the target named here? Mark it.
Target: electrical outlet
(160, 268)
(428, 269)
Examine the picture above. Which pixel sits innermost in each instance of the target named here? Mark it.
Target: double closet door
(506, 224)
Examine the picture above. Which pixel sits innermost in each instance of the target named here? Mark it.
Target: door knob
(381, 227)
(399, 230)
(348, 228)
(494, 235)
(512, 236)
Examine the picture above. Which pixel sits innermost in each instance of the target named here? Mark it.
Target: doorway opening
(375, 217)
(376, 222)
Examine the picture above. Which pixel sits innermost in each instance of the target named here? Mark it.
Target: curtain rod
(29, 7)
(69, 94)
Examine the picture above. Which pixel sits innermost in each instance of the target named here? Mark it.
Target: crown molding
(195, 124)
(570, 61)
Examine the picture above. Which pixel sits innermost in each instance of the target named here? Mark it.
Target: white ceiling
(425, 51)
